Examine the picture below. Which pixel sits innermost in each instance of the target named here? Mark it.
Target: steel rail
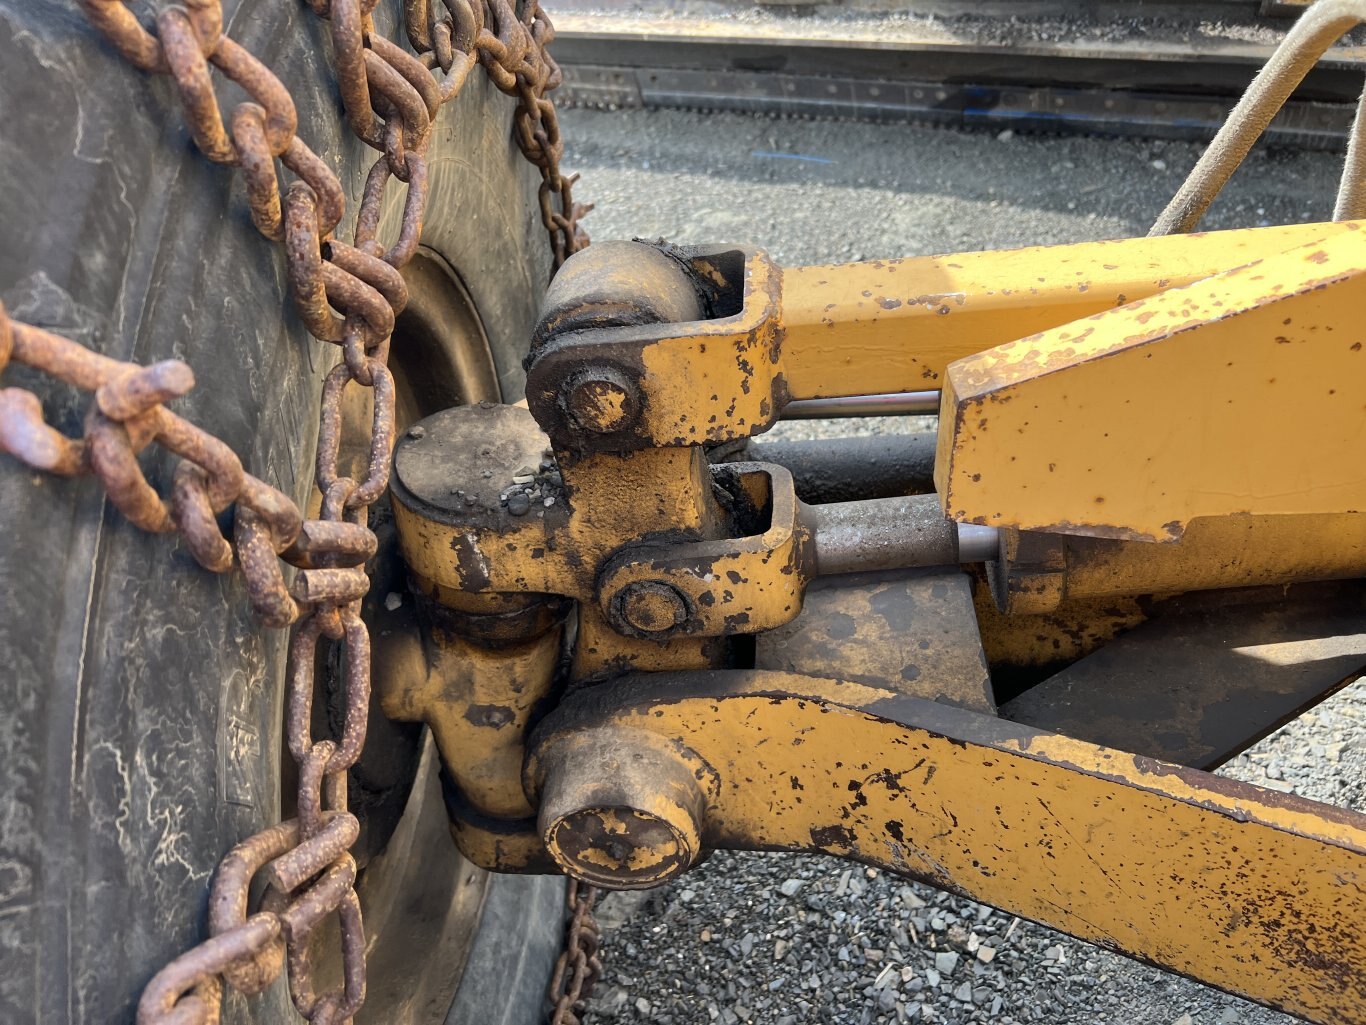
(1165, 90)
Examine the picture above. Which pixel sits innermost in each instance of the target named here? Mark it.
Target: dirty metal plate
(1208, 677)
(913, 632)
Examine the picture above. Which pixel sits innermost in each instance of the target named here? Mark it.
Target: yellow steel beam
(1241, 393)
(895, 325)
(1253, 891)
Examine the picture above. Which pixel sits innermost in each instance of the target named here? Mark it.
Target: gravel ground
(1060, 23)
(782, 939)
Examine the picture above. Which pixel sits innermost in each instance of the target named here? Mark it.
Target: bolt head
(623, 847)
(602, 400)
(652, 607)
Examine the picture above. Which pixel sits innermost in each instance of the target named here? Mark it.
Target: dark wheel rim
(422, 899)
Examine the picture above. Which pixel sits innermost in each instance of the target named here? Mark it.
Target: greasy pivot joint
(629, 332)
(649, 608)
(621, 807)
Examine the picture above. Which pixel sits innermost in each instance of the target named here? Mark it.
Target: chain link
(348, 295)
(578, 968)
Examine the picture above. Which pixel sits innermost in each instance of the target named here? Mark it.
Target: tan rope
(1319, 27)
(1351, 201)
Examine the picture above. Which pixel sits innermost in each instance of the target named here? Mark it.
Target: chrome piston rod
(894, 533)
(902, 403)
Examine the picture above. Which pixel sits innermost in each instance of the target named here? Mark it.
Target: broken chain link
(348, 295)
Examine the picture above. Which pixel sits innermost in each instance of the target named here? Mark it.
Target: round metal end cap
(622, 847)
(620, 807)
(602, 400)
(651, 607)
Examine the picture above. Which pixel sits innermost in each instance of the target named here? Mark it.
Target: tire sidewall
(142, 734)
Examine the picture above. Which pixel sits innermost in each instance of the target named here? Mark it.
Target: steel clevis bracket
(717, 588)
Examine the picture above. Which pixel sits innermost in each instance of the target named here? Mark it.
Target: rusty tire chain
(578, 967)
(391, 98)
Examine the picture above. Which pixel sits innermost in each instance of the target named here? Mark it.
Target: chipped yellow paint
(575, 548)
(1241, 393)
(619, 806)
(555, 552)
(1214, 552)
(895, 325)
(641, 859)
(479, 703)
(712, 380)
(751, 582)
(612, 498)
(1254, 891)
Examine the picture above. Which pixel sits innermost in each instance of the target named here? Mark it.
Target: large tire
(140, 734)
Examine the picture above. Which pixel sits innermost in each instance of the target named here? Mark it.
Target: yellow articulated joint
(1244, 393)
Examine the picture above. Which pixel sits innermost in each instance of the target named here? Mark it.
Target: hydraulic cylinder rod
(902, 403)
(850, 469)
(893, 533)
